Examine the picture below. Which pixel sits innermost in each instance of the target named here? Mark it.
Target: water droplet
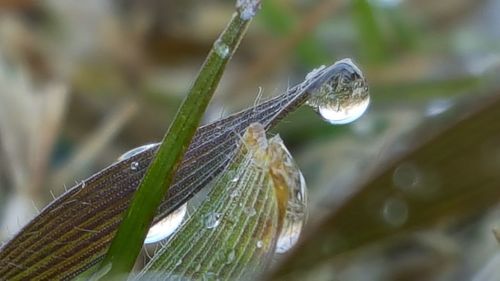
(179, 262)
(295, 215)
(209, 276)
(134, 166)
(341, 95)
(247, 8)
(235, 193)
(395, 212)
(405, 176)
(167, 226)
(231, 257)
(221, 49)
(260, 244)
(250, 211)
(235, 179)
(136, 151)
(212, 220)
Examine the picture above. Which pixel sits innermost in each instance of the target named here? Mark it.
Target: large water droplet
(395, 212)
(212, 220)
(136, 151)
(166, 226)
(341, 95)
(295, 216)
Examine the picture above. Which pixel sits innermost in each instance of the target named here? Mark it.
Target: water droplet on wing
(134, 166)
(167, 226)
(137, 150)
(212, 220)
(295, 216)
(341, 95)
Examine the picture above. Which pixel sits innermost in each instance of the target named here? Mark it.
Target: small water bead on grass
(167, 226)
(341, 95)
(221, 49)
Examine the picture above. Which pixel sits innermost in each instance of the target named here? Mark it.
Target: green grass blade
(129, 238)
(446, 175)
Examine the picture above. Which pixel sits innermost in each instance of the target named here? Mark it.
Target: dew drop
(235, 179)
(134, 166)
(260, 244)
(235, 193)
(167, 226)
(212, 220)
(231, 257)
(179, 262)
(250, 211)
(295, 216)
(137, 150)
(395, 212)
(341, 95)
(221, 49)
(209, 276)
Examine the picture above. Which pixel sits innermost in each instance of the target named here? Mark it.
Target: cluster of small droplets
(341, 92)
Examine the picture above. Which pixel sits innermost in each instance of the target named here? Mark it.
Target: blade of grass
(129, 238)
(446, 175)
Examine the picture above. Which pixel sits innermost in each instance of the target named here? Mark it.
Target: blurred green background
(81, 82)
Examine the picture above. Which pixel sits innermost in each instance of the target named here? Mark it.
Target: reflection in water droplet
(395, 212)
(342, 93)
(295, 216)
(221, 48)
(235, 193)
(212, 220)
(134, 166)
(167, 226)
(260, 244)
(136, 151)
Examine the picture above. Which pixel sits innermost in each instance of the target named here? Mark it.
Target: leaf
(72, 233)
(445, 175)
(233, 233)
